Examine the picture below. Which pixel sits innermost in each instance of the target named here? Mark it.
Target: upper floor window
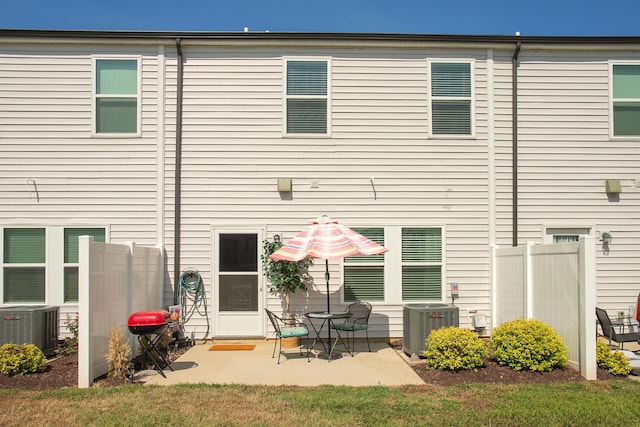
(451, 98)
(626, 99)
(307, 97)
(117, 96)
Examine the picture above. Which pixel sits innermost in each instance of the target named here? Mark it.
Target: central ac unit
(420, 319)
(30, 325)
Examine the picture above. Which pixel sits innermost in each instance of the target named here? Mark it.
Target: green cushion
(350, 326)
(295, 331)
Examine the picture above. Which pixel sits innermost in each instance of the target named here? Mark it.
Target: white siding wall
(234, 151)
(565, 157)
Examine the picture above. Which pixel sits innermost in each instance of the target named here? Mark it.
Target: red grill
(148, 322)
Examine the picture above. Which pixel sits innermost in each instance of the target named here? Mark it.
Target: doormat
(231, 347)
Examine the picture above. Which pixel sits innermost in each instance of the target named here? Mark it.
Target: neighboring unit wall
(565, 156)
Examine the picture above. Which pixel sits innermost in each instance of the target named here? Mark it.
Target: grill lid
(149, 318)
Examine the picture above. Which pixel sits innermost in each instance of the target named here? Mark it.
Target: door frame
(258, 328)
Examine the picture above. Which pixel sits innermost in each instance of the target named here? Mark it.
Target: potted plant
(285, 277)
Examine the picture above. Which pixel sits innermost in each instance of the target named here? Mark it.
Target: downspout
(514, 136)
(178, 176)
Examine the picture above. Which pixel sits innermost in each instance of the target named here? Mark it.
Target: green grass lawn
(602, 403)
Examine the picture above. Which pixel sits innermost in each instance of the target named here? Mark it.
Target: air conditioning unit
(420, 319)
(30, 325)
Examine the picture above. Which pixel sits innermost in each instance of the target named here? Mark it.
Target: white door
(238, 299)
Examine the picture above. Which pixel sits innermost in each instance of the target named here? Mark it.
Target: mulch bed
(63, 372)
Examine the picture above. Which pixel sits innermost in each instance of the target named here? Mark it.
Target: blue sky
(501, 17)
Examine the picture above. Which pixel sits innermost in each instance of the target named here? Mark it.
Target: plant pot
(292, 342)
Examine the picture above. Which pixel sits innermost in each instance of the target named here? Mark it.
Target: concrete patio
(382, 366)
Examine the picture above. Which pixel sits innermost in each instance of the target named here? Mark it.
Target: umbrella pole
(326, 276)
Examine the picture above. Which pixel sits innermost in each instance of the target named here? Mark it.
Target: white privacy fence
(556, 285)
(113, 282)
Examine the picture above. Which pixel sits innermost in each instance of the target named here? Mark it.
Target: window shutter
(24, 245)
(71, 241)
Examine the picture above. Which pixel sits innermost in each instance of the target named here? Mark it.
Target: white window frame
(471, 99)
(95, 96)
(612, 101)
(393, 265)
(549, 233)
(54, 262)
(285, 96)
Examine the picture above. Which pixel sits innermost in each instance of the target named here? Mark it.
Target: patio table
(328, 320)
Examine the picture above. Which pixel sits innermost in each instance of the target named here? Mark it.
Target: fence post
(528, 280)
(587, 338)
(85, 368)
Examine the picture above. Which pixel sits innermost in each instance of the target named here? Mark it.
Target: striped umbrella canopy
(325, 238)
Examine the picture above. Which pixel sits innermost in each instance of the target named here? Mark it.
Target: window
(451, 98)
(565, 235)
(626, 99)
(421, 264)
(71, 258)
(24, 265)
(40, 265)
(410, 271)
(306, 97)
(116, 96)
(364, 275)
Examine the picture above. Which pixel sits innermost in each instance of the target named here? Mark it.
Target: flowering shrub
(22, 359)
(454, 349)
(613, 361)
(70, 344)
(528, 345)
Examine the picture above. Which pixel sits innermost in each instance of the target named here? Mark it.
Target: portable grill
(149, 326)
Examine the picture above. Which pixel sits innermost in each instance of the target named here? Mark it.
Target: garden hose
(192, 297)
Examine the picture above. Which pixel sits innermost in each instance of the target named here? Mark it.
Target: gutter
(178, 172)
(514, 136)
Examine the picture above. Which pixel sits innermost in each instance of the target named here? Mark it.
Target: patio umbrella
(326, 239)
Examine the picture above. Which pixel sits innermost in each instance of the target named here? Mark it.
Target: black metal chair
(609, 329)
(358, 321)
(288, 329)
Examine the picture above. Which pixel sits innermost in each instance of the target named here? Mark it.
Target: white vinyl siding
(116, 96)
(451, 98)
(307, 97)
(625, 99)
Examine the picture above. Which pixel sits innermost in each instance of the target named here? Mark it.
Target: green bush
(454, 349)
(613, 362)
(22, 359)
(528, 345)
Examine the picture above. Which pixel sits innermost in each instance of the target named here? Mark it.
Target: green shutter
(364, 283)
(626, 81)
(421, 283)
(71, 241)
(421, 245)
(24, 284)
(306, 78)
(24, 245)
(116, 115)
(626, 118)
(116, 77)
(71, 284)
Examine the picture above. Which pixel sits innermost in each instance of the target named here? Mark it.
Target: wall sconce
(606, 239)
(284, 185)
(612, 186)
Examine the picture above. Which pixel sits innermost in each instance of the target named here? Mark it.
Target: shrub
(454, 348)
(613, 362)
(21, 359)
(528, 345)
(118, 354)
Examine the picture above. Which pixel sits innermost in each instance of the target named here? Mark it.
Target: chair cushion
(348, 326)
(294, 331)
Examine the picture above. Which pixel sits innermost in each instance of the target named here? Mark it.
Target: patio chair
(291, 329)
(609, 329)
(359, 321)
